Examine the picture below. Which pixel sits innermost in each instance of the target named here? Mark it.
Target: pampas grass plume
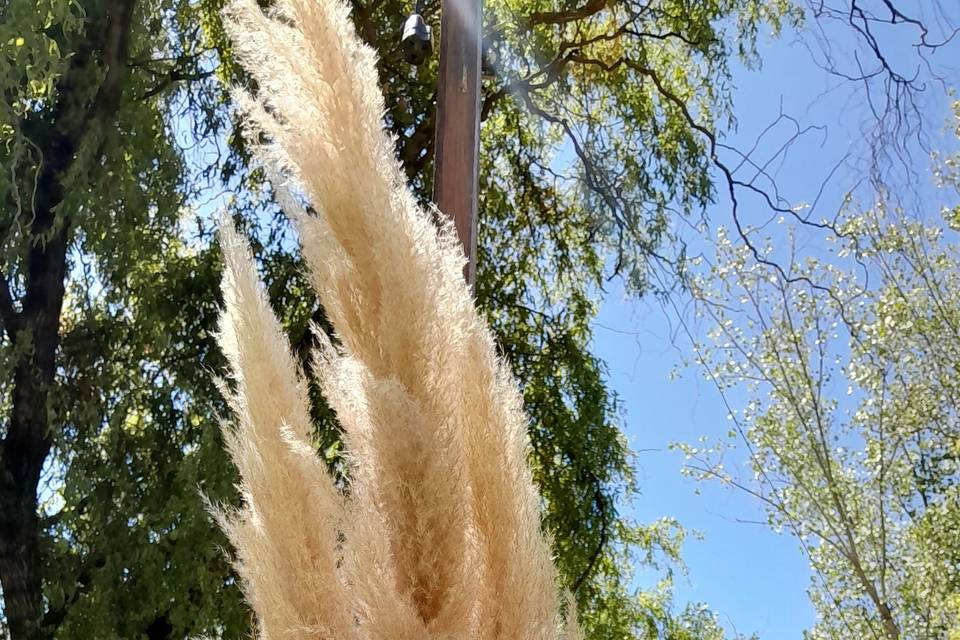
(438, 534)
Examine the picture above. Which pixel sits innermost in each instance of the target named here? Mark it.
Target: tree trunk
(34, 330)
(36, 337)
(19, 562)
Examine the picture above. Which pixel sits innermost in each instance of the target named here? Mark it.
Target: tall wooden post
(458, 122)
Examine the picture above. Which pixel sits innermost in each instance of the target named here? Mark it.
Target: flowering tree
(849, 362)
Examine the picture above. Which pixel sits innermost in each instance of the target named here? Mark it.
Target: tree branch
(172, 78)
(114, 55)
(563, 17)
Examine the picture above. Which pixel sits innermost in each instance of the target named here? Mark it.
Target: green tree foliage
(115, 139)
(106, 308)
(849, 360)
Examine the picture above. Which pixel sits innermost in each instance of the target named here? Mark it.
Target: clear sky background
(753, 578)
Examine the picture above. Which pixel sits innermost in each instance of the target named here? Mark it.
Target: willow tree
(115, 134)
(92, 190)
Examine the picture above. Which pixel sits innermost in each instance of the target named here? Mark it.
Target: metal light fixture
(416, 44)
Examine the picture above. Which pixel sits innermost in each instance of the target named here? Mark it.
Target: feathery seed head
(439, 536)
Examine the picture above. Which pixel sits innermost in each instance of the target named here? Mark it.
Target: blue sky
(753, 578)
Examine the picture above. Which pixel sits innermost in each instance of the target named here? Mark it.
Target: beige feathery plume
(438, 535)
